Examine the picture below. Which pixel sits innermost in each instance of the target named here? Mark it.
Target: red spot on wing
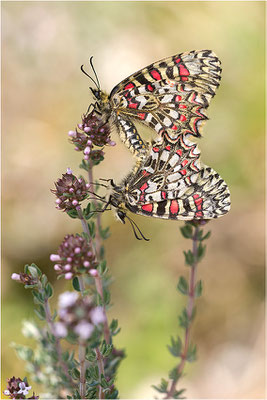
(141, 115)
(150, 88)
(177, 60)
(129, 86)
(195, 196)
(182, 118)
(199, 214)
(198, 203)
(144, 187)
(168, 148)
(147, 207)
(184, 163)
(182, 106)
(183, 171)
(132, 105)
(155, 149)
(179, 152)
(174, 127)
(155, 74)
(163, 195)
(174, 207)
(178, 98)
(183, 71)
(184, 78)
(145, 173)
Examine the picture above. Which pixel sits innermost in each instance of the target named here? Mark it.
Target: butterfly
(172, 183)
(170, 96)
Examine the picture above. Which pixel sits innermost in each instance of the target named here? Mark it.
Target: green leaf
(191, 353)
(38, 297)
(73, 213)
(44, 280)
(187, 231)
(200, 252)
(75, 373)
(49, 290)
(40, 312)
(175, 347)
(198, 289)
(91, 227)
(76, 284)
(104, 233)
(183, 319)
(206, 236)
(106, 297)
(174, 375)
(102, 267)
(163, 387)
(33, 271)
(106, 349)
(189, 258)
(177, 394)
(182, 285)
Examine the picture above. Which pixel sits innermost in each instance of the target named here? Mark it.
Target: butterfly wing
(170, 96)
(174, 184)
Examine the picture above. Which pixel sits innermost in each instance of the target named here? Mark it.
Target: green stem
(189, 311)
(58, 348)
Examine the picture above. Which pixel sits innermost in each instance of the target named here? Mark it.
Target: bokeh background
(44, 94)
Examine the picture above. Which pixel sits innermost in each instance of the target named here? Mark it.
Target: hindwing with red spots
(170, 96)
(172, 183)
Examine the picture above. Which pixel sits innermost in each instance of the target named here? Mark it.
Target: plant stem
(101, 372)
(98, 280)
(189, 310)
(51, 325)
(99, 288)
(82, 354)
(82, 351)
(98, 217)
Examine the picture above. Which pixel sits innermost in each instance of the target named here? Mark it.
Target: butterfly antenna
(134, 231)
(89, 76)
(99, 184)
(134, 225)
(93, 68)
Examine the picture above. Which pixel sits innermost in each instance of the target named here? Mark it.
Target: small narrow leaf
(200, 252)
(76, 284)
(191, 353)
(175, 347)
(187, 231)
(198, 289)
(182, 285)
(189, 258)
(49, 290)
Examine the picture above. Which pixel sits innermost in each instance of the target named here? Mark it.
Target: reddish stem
(189, 311)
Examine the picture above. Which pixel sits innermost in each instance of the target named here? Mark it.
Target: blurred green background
(44, 94)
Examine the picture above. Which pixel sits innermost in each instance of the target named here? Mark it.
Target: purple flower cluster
(74, 257)
(91, 132)
(77, 315)
(18, 389)
(70, 191)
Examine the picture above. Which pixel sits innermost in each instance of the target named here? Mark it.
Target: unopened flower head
(70, 191)
(78, 315)
(18, 389)
(74, 257)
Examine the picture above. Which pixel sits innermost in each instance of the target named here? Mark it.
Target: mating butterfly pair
(171, 97)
